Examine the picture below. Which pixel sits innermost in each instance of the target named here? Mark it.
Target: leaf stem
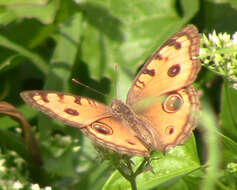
(130, 178)
(127, 172)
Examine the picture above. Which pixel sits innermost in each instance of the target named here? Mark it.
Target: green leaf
(43, 11)
(177, 162)
(230, 148)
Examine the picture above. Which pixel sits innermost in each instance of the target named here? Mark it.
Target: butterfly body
(137, 125)
(161, 107)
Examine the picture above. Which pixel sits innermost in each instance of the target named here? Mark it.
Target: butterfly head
(116, 106)
(120, 109)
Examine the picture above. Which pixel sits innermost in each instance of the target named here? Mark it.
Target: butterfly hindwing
(174, 118)
(115, 135)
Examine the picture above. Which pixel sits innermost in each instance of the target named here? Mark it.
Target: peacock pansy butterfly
(163, 86)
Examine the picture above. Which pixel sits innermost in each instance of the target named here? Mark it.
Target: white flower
(224, 37)
(205, 40)
(203, 52)
(67, 139)
(17, 185)
(234, 86)
(229, 67)
(234, 38)
(214, 39)
(2, 167)
(76, 148)
(35, 187)
(217, 58)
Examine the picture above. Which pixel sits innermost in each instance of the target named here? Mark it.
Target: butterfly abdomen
(139, 127)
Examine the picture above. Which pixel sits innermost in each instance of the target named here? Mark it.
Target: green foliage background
(46, 43)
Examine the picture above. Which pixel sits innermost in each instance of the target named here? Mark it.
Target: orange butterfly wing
(117, 138)
(172, 67)
(92, 118)
(168, 75)
(174, 118)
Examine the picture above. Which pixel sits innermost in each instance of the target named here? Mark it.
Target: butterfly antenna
(84, 85)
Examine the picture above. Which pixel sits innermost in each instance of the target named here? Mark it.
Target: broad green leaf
(185, 183)
(230, 148)
(177, 162)
(45, 12)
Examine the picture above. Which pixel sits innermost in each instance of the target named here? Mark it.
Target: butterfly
(161, 107)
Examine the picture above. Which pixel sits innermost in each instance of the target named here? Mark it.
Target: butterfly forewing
(173, 66)
(70, 109)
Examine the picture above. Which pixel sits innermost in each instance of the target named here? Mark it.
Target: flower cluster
(218, 53)
(11, 168)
